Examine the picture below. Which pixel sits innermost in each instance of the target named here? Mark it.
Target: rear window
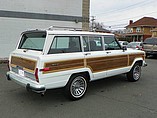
(150, 41)
(133, 44)
(33, 41)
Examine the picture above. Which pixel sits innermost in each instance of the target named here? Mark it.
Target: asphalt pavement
(113, 97)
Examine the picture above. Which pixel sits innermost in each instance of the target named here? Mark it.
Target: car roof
(77, 32)
(67, 32)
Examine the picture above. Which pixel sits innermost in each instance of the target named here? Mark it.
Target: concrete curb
(4, 61)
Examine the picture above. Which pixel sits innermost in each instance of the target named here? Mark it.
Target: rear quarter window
(65, 44)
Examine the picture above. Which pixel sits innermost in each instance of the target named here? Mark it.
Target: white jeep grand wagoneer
(47, 59)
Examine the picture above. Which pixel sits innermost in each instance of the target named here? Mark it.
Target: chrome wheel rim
(78, 87)
(137, 72)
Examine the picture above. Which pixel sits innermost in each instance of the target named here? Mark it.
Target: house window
(138, 29)
(130, 30)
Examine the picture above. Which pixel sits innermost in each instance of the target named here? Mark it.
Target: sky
(115, 14)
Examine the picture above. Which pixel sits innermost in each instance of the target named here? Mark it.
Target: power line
(130, 17)
(124, 24)
(142, 3)
(115, 27)
(120, 26)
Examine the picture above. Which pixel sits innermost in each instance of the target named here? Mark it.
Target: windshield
(151, 41)
(33, 41)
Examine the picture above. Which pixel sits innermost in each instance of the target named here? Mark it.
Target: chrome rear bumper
(28, 84)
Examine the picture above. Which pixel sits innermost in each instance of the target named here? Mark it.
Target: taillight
(45, 69)
(36, 75)
(142, 48)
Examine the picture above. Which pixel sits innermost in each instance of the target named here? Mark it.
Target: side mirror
(124, 48)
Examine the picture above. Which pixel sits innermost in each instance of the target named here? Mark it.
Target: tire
(147, 55)
(76, 87)
(135, 73)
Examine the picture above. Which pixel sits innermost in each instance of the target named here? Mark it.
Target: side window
(111, 43)
(95, 43)
(65, 44)
(60, 43)
(86, 43)
(91, 43)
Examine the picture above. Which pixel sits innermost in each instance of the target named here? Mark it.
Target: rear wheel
(76, 87)
(135, 73)
(147, 55)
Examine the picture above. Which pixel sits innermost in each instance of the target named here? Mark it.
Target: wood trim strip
(64, 65)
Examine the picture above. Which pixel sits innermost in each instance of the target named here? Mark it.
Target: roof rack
(64, 28)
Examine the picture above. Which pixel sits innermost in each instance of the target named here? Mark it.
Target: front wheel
(135, 73)
(76, 87)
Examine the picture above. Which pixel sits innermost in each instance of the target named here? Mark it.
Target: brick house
(141, 29)
(154, 32)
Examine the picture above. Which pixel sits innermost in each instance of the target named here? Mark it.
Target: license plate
(21, 72)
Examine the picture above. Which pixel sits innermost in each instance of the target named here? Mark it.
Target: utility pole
(93, 19)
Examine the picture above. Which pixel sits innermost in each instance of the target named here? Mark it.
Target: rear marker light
(8, 66)
(36, 75)
(45, 69)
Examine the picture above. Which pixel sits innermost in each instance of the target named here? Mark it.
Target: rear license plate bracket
(21, 72)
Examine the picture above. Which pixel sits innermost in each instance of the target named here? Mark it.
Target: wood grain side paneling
(107, 63)
(24, 63)
(132, 57)
(97, 64)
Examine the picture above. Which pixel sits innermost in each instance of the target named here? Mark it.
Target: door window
(92, 43)
(111, 43)
(86, 43)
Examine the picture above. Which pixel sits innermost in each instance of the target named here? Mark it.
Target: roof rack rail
(64, 28)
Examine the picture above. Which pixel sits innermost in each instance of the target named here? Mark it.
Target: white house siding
(20, 15)
(61, 7)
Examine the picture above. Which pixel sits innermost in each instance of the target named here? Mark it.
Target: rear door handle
(108, 52)
(87, 54)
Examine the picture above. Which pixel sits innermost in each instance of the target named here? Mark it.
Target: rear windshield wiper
(31, 49)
